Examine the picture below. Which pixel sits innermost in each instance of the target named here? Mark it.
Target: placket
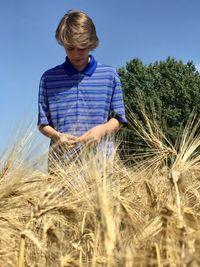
(80, 76)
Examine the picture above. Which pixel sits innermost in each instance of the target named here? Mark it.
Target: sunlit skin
(78, 56)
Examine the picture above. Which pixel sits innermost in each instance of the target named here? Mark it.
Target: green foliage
(170, 90)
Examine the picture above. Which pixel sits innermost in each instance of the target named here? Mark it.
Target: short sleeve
(43, 110)
(117, 108)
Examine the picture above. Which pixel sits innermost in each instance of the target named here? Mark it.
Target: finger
(71, 142)
(84, 138)
(71, 146)
(71, 137)
(80, 139)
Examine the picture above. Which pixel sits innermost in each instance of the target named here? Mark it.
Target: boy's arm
(43, 119)
(117, 116)
(66, 139)
(96, 133)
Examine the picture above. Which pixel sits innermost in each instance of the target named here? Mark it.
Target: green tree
(170, 89)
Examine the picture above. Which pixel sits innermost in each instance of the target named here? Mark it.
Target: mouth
(78, 59)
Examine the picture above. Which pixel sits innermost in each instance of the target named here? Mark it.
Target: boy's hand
(67, 139)
(93, 135)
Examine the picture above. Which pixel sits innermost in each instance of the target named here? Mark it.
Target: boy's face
(78, 56)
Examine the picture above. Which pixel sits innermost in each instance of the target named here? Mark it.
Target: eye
(69, 48)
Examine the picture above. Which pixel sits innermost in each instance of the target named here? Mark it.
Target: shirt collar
(88, 70)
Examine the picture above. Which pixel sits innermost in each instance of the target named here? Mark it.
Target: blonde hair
(76, 28)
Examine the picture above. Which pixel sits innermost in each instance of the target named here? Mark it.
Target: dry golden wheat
(99, 212)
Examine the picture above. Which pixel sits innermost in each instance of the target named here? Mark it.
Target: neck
(80, 68)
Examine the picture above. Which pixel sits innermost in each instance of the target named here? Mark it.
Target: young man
(80, 100)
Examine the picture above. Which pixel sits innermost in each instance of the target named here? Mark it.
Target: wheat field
(100, 212)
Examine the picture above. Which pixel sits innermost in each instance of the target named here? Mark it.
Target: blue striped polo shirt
(74, 101)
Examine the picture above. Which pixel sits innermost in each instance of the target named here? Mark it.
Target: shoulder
(57, 70)
(107, 70)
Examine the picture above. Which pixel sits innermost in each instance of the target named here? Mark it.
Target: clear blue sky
(147, 29)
